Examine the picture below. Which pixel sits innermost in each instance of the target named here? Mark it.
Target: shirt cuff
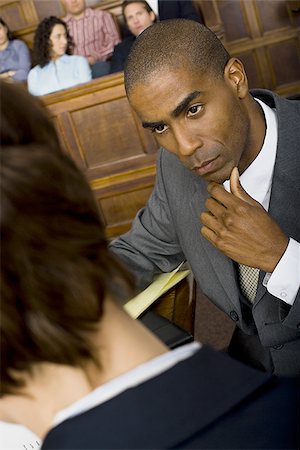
(284, 282)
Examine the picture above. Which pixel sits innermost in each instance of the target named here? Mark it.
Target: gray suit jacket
(167, 232)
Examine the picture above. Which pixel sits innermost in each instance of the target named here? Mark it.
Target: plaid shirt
(95, 34)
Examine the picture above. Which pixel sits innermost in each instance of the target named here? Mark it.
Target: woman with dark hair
(56, 67)
(15, 59)
(76, 371)
(24, 119)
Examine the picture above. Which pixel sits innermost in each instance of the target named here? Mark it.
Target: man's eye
(160, 129)
(193, 110)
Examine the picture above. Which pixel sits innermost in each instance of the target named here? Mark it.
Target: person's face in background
(3, 37)
(138, 18)
(74, 7)
(58, 41)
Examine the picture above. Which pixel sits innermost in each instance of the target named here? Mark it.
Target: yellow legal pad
(162, 283)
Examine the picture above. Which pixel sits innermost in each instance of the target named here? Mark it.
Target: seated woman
(15, 61)
(76, 371)
(56, 67)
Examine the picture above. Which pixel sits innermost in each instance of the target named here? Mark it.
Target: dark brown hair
(10, 35)
(24, 119)
(56, 268)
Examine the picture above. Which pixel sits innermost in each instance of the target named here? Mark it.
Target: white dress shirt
(154, 5)
(284, 282)
(134, 377)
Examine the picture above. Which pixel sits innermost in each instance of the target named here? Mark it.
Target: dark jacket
(205, 402)
(121, 51)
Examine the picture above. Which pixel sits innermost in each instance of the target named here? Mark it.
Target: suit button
(298, 326)
(278, 347)
(234, 316)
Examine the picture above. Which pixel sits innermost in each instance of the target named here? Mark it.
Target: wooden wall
(264, 34)
(102, 134)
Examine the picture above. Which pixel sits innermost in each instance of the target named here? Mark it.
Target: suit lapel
(221, 265)
(285, 195)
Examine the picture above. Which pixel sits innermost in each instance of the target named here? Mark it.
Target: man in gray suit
(227, 193)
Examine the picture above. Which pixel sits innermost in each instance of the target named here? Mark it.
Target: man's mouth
(206, 167)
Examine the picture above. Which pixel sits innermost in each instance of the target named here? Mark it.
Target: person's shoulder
(127, 42)
(96, 12)
(35, 70)
(19, 44)
(76, 59)
(282, 104)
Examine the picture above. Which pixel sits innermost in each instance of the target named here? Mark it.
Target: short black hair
(173, 44)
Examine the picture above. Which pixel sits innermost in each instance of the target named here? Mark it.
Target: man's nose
(186, 142)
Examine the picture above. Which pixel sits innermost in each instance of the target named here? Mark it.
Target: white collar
(257, 178)
(134, 377)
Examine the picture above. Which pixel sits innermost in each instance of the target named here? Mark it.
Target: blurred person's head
(64, 331)
(24, 119)
(5, 34)
(138, 15)
(56, 269)
(51, 41)
(75, 8)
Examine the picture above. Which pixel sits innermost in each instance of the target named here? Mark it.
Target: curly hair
(41, 44)
(10, 35)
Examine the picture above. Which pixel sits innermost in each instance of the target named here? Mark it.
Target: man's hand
(91, 60)
(240, 228)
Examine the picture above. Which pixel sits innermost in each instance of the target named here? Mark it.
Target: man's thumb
(236, 187)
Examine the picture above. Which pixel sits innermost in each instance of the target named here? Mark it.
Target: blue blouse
(16, 57)
(63, 73)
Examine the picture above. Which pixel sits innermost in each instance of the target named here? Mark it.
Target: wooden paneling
(99, 128)
(253, 30)
(18, 13)
(47, 8)
(102, 134)
(265, 35)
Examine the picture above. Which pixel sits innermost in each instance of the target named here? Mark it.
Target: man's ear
(152, 16)
(234, 73)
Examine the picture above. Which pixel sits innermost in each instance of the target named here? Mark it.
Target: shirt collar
(69, 17)
(257, 178)
(134, 377)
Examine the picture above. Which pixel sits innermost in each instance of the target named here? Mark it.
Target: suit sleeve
(151, 246)
(118, 60)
